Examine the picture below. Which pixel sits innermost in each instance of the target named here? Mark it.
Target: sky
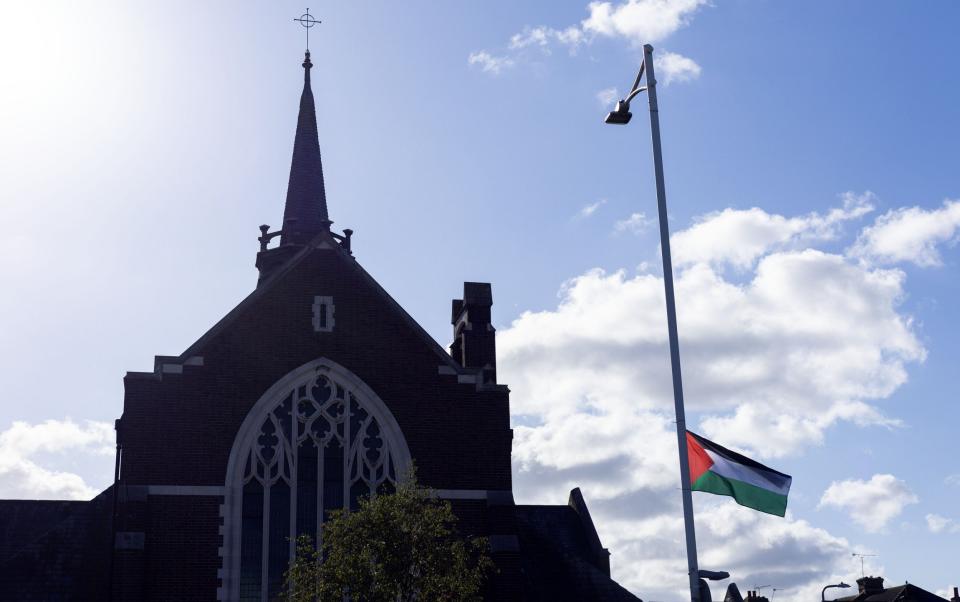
(811, 160)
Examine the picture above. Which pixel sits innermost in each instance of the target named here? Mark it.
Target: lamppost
(621, 116)
(823, 592)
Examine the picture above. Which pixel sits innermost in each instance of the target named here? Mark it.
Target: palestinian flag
(718, 470)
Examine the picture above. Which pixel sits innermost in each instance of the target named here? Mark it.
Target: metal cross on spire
(307, 21)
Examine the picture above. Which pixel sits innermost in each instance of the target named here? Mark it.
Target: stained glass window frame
(266, 451)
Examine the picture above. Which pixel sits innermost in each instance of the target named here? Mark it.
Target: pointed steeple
(305, 213)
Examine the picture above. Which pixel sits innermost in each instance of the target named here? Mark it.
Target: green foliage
(394, 548)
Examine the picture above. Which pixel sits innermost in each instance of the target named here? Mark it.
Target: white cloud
(910, 234)
(571, 37)
(637, 223)
(941, 524)
(590, 209)
(946, 593)
(625, 462)
(810, 339)
(756, 548)
(607, 96)
(800, 340)
(489, 63)
(531, 36)
(810, 335)
(740, 236)
(675, 67)
(635, 21)
(952, 480)
(21, 476)
(871, 504)
(543, 37)
(776, 433)
(640, 21)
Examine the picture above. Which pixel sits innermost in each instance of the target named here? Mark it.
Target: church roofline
(306, 228)
(323, 241)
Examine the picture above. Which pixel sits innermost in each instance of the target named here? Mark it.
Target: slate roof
(62, 555)
(561, 557)
(22, 520)
(902, 593)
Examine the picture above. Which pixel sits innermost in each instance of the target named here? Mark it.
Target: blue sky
(811, 165)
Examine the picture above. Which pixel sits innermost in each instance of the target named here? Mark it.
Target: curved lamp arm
(823, 592)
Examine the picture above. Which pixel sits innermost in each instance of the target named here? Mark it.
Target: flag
(718, 470)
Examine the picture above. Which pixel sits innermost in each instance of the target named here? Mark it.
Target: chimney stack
(752, 596)
(956, 596)
(870, 585)
(474, 344)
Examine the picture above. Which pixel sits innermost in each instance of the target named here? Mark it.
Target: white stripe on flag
(739, 472)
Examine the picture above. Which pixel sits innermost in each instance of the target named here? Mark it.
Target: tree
(395, 547)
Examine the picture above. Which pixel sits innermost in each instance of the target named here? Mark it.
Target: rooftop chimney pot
(870, 585)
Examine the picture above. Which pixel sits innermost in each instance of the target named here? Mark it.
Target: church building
(315, 390)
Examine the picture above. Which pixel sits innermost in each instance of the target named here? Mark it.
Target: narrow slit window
(323, 314)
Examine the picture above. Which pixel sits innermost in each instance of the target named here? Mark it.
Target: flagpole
(621, 115)
(691, 537)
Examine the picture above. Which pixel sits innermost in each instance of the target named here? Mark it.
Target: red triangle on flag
(700, 462)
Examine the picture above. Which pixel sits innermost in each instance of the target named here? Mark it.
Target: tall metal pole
(691, 537)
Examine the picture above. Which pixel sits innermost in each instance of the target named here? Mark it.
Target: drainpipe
(113, 517)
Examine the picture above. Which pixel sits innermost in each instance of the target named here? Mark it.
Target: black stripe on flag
(775, 476)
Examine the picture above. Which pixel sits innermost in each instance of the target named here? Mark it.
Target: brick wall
(181, 548)
(179, 428)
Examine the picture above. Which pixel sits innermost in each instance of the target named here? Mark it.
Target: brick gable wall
(178, 428)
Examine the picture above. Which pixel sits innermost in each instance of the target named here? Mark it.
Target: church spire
(305, 213)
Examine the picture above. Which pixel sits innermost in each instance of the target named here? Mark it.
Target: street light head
(843, 585)
(620, 115)
(714, 575)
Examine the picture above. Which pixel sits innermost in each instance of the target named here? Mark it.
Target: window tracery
(318, 445)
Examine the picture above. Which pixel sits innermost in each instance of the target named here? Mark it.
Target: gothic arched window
(317, 441)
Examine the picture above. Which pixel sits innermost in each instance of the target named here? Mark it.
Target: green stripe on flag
(745, 494)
